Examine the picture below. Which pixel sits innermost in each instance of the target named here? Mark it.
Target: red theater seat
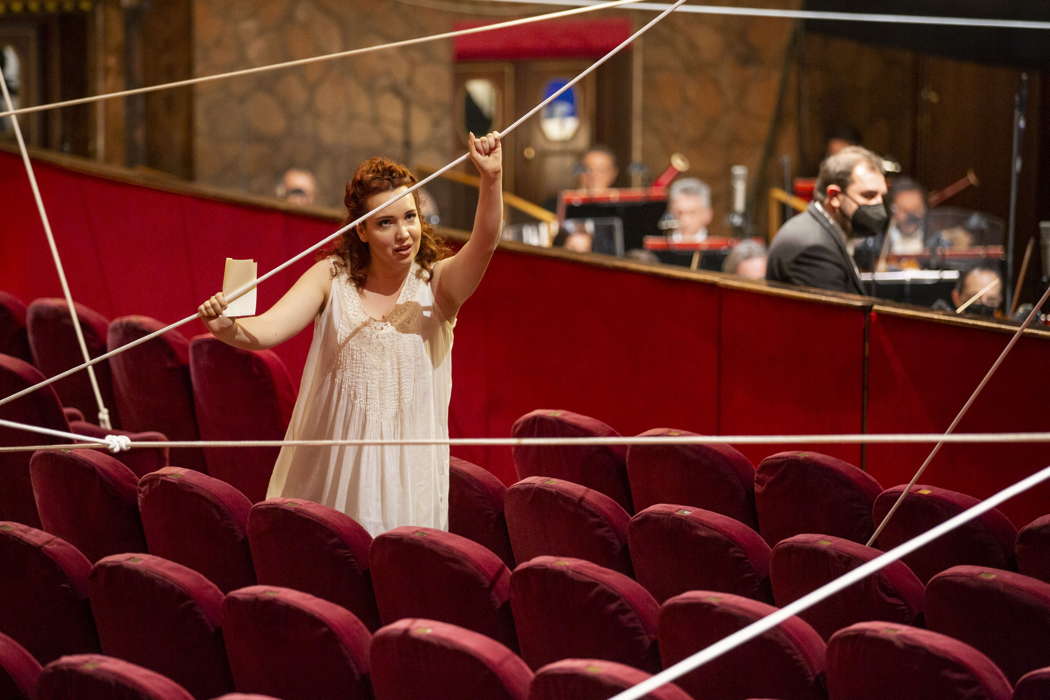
(799, 492)
(600, 467)
(246, 696)
(18, 671)
(985, 541)
(55, 348)
(240, 395)
(784, 662)
(42, 408)
(570, 608)
(679, 548)
(14, 340)
(422, 572)
(563, 519)
(97, 677)
(152, 384)
(163, 616)
(880, 660)
(315, 549)
(88, 499)
(200, 522)
(45, 606)
(475, 507)
(712, 477)
(1033, 549)
(1000, 613)
(594, 679)
(419, 658)
(1034, 685)
(804, 563)
(295, 646)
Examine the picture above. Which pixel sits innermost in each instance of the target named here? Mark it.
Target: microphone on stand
(1044, 239)
(738, 212)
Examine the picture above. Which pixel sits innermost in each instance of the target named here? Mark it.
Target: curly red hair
(374, 176)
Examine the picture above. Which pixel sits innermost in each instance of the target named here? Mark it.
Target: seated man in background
(748, 260)
(596, 173)
(689, 204)
(907, 231)
(297, 186)
(574, 239)
(810, 249)
(840, 136)
(979, 288)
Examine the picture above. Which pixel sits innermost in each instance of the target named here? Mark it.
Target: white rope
(49, 431)
(812, 14)
(748, 633)
(103, 413)
(649, 440)
(962, 412)
(241, 291)
(590, 7)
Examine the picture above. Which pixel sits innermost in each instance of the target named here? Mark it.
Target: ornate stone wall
(326, 116)
(710, 87)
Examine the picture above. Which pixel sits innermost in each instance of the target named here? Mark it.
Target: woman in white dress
(384, 304)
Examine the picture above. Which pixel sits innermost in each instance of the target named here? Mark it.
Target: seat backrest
(987, 540)
(1033, 549)
(14, 340)
(419, 658)
(98, 677)
(712, 477)
(295, 646)
(571, 608)
(19, 671)
(798, 492)
(559, 518)
(163, 616)
(46, 605)
(879, 660)
(475, 507)
(40, 408)
(198, 521)
(600, 467)
(89, 499)
(786, 661)
(422, 572)
(1034, 685)
(152, 384)
(312, 548)
(55, 348)
(594, 679)
(240, 395)
(803, 563)
(1000, 613)
(678, 548)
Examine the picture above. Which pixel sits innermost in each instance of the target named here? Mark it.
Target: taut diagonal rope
(248, 287)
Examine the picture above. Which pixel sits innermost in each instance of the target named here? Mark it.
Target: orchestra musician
(810, 249)
(689, 205)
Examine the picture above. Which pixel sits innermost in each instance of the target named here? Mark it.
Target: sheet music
(237, 274)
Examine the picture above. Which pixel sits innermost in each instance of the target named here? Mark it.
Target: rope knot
(118, 443)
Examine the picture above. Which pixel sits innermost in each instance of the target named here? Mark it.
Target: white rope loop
(103, 413)
(244, 289)
(592, 7)
(118, 443)
(807, 601)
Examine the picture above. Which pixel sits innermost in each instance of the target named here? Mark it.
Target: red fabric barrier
(790, 366)
(633, 349)
(921, 373)
(563, 39)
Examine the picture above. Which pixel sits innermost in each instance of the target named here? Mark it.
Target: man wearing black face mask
(810, 249)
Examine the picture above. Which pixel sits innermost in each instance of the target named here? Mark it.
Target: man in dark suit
(848, 201)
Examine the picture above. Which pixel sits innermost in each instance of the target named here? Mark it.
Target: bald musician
(848, 202)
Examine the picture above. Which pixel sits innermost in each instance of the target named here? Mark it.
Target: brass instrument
(679, 164)
(942, 195)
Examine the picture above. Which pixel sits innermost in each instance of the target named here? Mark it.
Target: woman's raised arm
(292, 313)
(456, 278)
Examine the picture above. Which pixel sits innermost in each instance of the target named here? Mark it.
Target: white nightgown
(367, 378)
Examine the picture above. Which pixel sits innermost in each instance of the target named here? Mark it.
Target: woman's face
(393, 235)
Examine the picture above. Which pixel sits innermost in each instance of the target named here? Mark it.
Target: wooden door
(545, 157)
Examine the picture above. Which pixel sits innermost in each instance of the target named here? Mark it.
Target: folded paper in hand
(239, 273)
